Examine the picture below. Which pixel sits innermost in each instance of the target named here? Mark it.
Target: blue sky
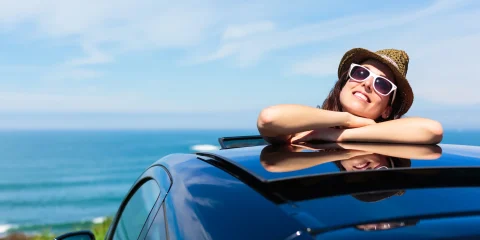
(216, 64)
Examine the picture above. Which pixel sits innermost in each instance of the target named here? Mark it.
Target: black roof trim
(242, 174)
(343, 183)
(237, 168)
(318, 231)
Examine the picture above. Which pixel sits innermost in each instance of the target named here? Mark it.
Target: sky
(215, 64)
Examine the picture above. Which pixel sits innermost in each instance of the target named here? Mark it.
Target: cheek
(384, 162)
(346, 90)
(382, 101)
(349, 85)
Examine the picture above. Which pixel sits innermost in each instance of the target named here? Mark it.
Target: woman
(366, 104)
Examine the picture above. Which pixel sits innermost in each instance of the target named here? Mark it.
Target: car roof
(324, 198)
(252, 158)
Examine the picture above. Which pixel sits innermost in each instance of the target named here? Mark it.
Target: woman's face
(366, 162)
(360, 98)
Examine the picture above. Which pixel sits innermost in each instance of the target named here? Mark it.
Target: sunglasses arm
(394, 94)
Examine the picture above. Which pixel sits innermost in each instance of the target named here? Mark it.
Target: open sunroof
(241, 141)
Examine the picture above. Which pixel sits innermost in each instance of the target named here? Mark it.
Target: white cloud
(442, 68)
(246, 33)
(54, 102)
(94, 56)
(244, 30)
(318, 66)
(69, 73)
(249, 50)
(223, 52)
(15, 68)
(443, 52)
(93, 99)
(444, 71)
(105, 28)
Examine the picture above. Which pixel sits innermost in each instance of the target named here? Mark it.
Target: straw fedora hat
(396, 60)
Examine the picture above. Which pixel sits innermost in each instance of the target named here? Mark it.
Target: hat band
(390, 60)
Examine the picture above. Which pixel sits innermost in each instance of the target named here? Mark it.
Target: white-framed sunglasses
(381, 85)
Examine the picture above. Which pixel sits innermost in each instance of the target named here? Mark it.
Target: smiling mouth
(361, 96)
(362, 166)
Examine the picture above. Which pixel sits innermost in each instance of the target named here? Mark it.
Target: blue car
(249, 189)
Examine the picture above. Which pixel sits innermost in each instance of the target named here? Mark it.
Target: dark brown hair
(332, 102)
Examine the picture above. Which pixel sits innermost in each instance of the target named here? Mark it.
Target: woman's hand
(356, 121)
(411, 130)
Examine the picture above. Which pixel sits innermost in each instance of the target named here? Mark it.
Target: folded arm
(278, 124)
(406, 130)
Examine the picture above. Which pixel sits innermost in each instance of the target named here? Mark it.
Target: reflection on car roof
(261, 161)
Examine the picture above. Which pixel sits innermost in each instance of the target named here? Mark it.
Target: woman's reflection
(366, 162)
(348, 157)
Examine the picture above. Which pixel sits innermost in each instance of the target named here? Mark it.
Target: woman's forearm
(287, 119)
(406, 130)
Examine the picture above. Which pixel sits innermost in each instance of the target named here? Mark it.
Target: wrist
(345, 119)
(345, 135)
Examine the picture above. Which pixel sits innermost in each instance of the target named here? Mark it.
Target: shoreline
(17, 236)
(98, 228)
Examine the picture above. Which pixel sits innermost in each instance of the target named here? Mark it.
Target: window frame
(161, 212)
(162, 177)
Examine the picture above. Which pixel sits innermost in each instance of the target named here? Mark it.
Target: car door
(139, 209)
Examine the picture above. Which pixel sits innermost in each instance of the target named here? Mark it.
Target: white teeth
(362, 166)
(360, 95)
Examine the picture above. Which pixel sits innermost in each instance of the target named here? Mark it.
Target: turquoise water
(57, 178)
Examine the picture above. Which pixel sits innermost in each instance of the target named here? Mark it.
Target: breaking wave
(204, 147)
(5, 227)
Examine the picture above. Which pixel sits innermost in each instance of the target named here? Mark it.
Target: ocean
(58, 179)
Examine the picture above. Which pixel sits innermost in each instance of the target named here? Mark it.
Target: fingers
(301, 137)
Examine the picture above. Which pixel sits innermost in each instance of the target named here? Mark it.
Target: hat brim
(404, 90)
(376, 196)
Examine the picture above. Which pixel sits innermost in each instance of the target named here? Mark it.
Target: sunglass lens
(359, 73)
(382, 85)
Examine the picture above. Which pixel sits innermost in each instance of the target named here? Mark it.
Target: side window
(158, 230)
(136, 211)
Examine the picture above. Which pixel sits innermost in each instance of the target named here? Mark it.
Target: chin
(358, 110)
(359, 113)
(356, 107)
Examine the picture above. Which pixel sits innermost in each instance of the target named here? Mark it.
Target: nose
(367, 84)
